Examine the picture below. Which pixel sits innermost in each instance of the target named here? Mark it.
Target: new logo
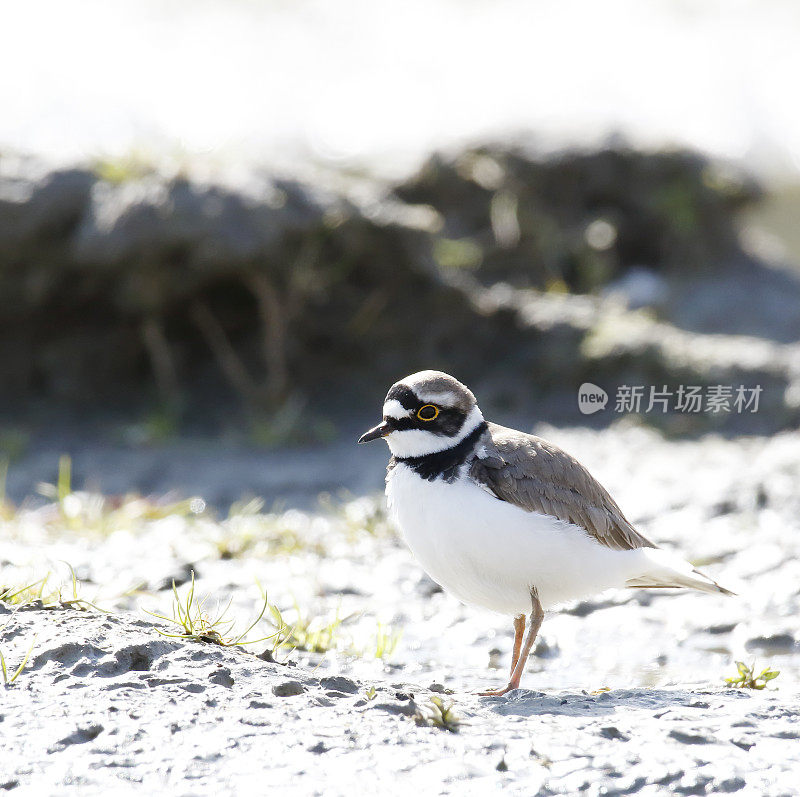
(591, 398)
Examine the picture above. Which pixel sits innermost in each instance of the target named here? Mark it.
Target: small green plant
(7, 681)
(386, 640)
(133, 165)
(307, 633)
(747, 678)
(320, 634)
(38, 591)
(27, 593)
(371, 693)
(357, 516)
(87, 513)
(70, 506)
(438, 714)
(199, 625)
(64, 481)
(76, 602)
(457, 253)
(247, 530)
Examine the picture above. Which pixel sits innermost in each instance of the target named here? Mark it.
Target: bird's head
(424, 413)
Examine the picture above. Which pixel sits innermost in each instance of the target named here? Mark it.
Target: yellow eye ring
(424, 412)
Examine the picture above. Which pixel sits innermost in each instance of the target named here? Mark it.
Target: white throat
(418, 442)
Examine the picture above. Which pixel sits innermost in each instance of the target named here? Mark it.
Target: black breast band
(443, 464)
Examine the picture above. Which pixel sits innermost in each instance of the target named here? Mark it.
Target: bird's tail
(667, 570)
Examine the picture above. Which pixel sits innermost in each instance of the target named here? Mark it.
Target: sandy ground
(629, 694)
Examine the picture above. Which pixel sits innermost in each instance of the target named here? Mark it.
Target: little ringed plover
(506, 520)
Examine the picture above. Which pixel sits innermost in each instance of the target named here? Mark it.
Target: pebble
(288, 689)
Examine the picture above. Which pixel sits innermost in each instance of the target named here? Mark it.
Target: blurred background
(227, 227)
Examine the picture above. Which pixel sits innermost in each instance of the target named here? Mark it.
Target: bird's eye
(427, 412)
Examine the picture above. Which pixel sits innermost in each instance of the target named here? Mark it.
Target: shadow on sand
(527, 703)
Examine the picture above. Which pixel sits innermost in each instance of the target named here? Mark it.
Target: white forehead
(445, 398)
(394, 409)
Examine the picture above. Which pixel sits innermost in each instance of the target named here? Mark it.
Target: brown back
(538, 476)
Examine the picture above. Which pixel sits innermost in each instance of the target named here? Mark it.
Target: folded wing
(539, 477)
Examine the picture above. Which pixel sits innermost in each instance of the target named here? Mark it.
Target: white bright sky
(385, 81)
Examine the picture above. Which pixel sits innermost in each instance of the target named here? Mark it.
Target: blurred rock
(188, 226)
(581, 219)
(775, 643)
(39, 208)
(525, 277)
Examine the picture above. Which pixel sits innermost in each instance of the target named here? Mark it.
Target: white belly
(490, 553)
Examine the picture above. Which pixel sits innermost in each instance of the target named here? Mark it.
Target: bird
(505, 520)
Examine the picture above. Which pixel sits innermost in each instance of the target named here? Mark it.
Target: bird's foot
(498, 692)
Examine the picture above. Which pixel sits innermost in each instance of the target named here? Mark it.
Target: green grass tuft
(28, 593)
(199, 625)
(7, 681)
(747, 678)
(358, 516)
(249, 531)
(307, 633)
(133, 165)
(37, 591)
(386, 640)
(438, 714)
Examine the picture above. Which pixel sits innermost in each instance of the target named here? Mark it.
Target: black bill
(381, 430)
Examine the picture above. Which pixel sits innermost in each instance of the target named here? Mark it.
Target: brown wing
(539, 477)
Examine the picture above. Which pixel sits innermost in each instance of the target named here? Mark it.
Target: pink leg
(519, 630)
(537, 615)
